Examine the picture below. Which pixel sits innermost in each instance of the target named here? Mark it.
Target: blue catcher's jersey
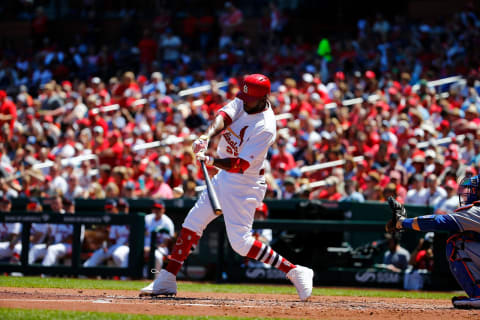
(468, 217)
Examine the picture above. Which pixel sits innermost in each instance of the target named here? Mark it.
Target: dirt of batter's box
(233, 304)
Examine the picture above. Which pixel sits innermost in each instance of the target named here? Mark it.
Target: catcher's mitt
(398, 211)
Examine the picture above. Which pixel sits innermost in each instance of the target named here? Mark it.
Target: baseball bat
(212, 195)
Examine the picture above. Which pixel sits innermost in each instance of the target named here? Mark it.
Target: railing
(115, 107)
(374, 97)
(74, 160)
(155, 144)
(441, 82)
(426, 144)
(112, 107)
(327, 165)
(203, 88)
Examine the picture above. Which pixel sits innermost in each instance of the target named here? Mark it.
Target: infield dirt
(231, 304)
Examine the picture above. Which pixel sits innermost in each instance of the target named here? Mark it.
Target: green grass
(15, 314)
(36, 282)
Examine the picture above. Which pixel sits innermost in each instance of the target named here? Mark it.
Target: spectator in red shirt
(371, 190)
(105, 177)
(99, 142)
(390, 190)
(160, 189)
(230, 19)
(177, 177)
(283, 156)
(113, 154)
(148, 50)
(96, 119)
(360, 144)
(400, 191)
(443, 129)
(330, 192)
(471, 114)
(393, 165)
(128, 88)
(39, 25)
(8, 112)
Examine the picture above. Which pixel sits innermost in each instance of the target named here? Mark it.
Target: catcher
(463, 246)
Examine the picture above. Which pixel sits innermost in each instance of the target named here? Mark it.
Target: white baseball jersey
(248, 137)
(39, 228)
(119, 233)
(151, 224)
(7, 229)
(61, 232)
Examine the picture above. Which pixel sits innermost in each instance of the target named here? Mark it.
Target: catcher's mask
(469, 190)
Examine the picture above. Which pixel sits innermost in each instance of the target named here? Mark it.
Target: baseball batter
(248, 128)
(463, 247)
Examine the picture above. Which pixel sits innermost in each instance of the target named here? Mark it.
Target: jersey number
(230, 150)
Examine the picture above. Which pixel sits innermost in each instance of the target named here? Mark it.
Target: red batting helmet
(254, 87)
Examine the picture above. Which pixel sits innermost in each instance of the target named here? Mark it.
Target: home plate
(102, 301)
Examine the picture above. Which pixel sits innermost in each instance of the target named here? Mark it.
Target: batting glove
(200, 145)
(201, 156)
(398, 214)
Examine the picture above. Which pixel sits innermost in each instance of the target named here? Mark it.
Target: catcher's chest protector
(463, 254)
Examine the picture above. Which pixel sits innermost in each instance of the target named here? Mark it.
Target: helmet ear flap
(476, 186)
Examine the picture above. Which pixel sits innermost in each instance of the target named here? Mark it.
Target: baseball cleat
(302, 279)
(466, 303)
(165, 285)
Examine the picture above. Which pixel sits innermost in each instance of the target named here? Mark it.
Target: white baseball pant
(238, 195)
(5, 251)
(118, 252)
(36, 252)
(56, 252)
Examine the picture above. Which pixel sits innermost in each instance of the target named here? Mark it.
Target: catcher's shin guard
(462, 254)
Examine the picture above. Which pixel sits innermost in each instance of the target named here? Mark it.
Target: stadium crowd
(52, 110)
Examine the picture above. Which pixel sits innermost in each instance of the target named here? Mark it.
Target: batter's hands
(200, 145)
(201, 156)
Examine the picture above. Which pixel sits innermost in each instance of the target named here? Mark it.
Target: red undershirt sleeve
(226, 118)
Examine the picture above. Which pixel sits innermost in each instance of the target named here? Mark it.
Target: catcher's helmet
(254, 87)
(469, 190)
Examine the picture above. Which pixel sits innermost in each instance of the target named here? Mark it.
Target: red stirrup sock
(262, 252)
(181, 250)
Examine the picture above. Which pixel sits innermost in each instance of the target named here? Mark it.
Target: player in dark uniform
(463, 247)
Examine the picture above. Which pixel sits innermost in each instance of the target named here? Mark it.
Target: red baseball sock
(262, 252)
(186, 239)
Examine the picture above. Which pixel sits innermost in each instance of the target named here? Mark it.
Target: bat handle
(211, 192)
